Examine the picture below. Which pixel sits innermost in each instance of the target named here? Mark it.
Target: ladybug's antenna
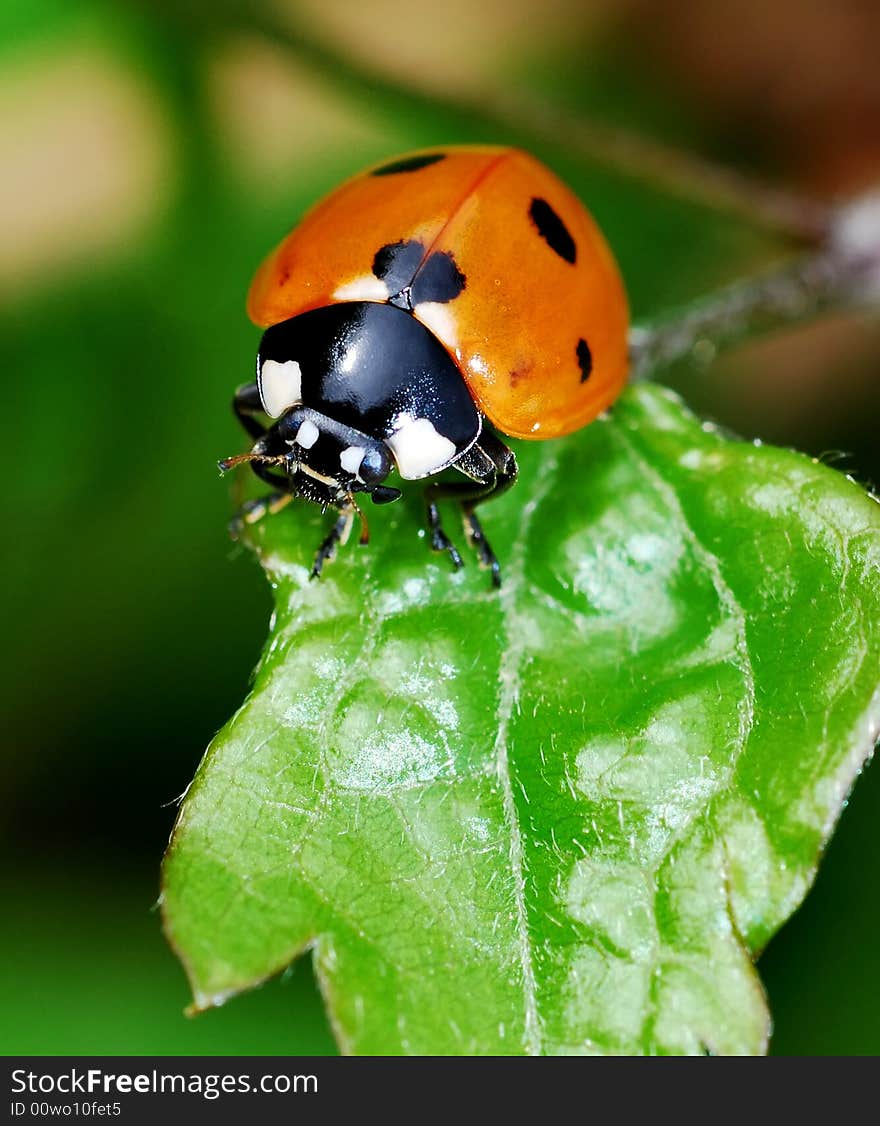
(253, 455)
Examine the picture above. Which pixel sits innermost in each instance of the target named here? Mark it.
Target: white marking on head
(280, 386)
(417, 447)
(350, 459)
(307, 435)
(366, 288)
(440, 319)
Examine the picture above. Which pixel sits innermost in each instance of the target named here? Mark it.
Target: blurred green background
(149, 160)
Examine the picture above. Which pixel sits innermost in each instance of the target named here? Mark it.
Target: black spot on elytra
(552, 229)
(397, 262)
(409, 164)
(438, 280)
(411, 279)
(585, 359)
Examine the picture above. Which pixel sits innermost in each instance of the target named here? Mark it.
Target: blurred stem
(841, 269)
(777, 210)
(844, 272)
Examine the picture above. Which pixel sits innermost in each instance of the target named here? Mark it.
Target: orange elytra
(539, 330)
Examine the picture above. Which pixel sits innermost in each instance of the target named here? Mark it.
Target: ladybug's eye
(375, 466)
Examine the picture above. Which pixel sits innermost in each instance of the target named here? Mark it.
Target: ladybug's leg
(339, 534)
(252, 511)
(492, 464)
(439, 539)
(246, 404)
(492, 469)
(312, 490)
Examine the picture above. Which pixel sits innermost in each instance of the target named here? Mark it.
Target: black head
(324, 460)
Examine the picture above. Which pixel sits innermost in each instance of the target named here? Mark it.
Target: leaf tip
(201, 1002)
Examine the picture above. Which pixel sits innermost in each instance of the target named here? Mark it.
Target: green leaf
(564, 817)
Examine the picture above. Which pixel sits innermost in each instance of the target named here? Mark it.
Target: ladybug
(425, 307)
